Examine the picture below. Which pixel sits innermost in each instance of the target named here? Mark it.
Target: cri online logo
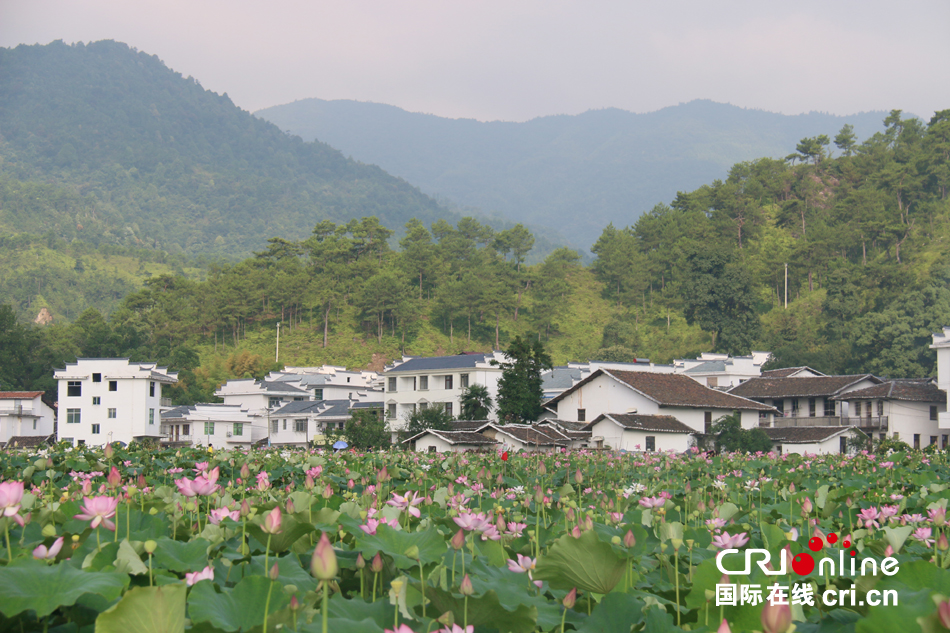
(804, 564)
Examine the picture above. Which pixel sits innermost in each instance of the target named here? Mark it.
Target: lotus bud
(570, 599)
(350, 484)
(576, 532)
(776, 618)
(588, 524)
(806, 506)
(542, 469)
(150, 546)
(499, 479)
(323, 564)
(791, 487)
(294, 603)
(942, 544)
(272, 521)
(943, 609)
(108, 451)
(274, 572)
(629, 540)
(701, 506)
(308, 483)
(87, 488)
(376, 565)
(689, 488)
(447, 619)
(724, 627)
(500, 523)
(327, 492)
(245, 471)
(458, 541)
(412, 552)
(245, 508)
(289, 506)
(49, 530)
(383, 475)
(615, 540)
(578, 477)
(940, 517)
(466, 588)
(888, 551)
(360, 561)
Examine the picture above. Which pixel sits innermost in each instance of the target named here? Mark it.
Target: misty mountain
(573, 174)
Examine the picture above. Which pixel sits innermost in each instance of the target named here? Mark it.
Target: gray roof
(708, 366)
(635, 422)
(320, 408)
(366, 405)
(804, 434)
(281, 387)
(560, 378)
(439, 363)
(455, 437)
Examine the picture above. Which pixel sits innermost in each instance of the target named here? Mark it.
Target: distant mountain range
(573, 174)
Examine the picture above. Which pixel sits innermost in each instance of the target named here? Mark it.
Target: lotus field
(136, 539)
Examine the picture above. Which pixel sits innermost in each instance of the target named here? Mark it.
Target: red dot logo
(846, 544)
(803, 564)
(832, 538)
(815, 544)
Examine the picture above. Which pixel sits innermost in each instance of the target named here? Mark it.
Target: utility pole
(786, 291)
(277, 350)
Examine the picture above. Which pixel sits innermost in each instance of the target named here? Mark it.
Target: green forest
(864, 228)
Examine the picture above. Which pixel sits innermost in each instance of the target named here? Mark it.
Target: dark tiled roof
(19, 395)
(271, 386)
(634, 422)
(440, 363)
(566, 425)
(532, 435)
(320, 408)
(560, 378)
(677, 390)
(178, 412)
(914, 390)
(455, 437)
(366, 405)
(29, 441)
(803, 434)
(785, 372)
(807, 386)
(468, 425)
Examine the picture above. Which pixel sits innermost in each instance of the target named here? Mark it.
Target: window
(95, 429)
(933, 440)
(111, 415)
(651, 443)
(916, 441)
(34, 425)
(448, 408)
(582, 415)
(318, 394)
(423, 406)
(73, 416)
(151, 416)
(74, 388)
(113, 385)
(857, 409)
(432, 449)
(880, 408)
(273, 402)
(273, 426)
(186, 429)
(944, 441)
(794, 407)
(896, 436)
(300, 426)
(347, 379)
(423, 383)
(707, 421)
(209, 428)
(238, 428)
(448, 382)
(463, 381)
(829, 408)
(392, 385)
(151, 389)
(712, 382)
(285, 425)
(413, 383)
(96, 400)
(780, 405)
(812, 407)
(391, 411)
(933, 412)
(97, 378)
(882, 436)
(842, 444)
(298, 398)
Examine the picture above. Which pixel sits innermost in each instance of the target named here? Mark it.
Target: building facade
(24, 414)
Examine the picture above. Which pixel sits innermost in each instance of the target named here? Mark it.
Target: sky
(515, 60)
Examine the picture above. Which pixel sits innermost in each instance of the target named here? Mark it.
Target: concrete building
(910, 409)
(261, 397)
(330, 382)
(635, 432)
(436, 441)
(105, 400)
(24, 414)
(812, 440)
(215, 425)
(300, 423)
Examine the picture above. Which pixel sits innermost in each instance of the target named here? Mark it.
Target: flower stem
(267, 604)
(6, 533)
(267, 552)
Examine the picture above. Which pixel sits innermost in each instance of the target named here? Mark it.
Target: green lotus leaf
(146, 610)
(31, 585)
(586, 563)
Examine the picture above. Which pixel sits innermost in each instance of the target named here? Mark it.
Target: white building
(24, 414)
(635, 432)
(910, 409)
(650, 393)
(216, 425)
(436, 441)
(525, 437)
(721, 371)
(260, 397)
(437, 381)
(812, 440)
(300, 423)
(330, 382)
(105, 400)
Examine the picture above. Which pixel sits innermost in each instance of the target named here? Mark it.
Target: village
(628, 407)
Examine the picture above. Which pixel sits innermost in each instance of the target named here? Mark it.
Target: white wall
(636, 440)
(408, 394)
(25, 417)
(424, 442)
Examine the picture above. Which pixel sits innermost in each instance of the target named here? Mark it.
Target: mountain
(573, 174)
(138, 155)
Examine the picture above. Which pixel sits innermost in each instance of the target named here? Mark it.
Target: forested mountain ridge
(574, 174)
(142, 156)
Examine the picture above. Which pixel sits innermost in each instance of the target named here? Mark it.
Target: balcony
(15, 410)
(877, 423)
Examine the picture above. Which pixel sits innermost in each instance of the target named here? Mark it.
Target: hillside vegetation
(572, 174)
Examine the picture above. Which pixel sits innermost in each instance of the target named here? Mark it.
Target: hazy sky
(515, 60)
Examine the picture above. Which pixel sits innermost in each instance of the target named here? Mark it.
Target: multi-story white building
(330, 382)
(105, 400)
(300, 423)
(215, 425)
(24, 414)
(260, 397)
(420, 383)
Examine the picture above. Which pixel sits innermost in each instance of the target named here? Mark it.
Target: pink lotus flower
(373, 524)
(407, 503)
(272, 521)
(457, 629)
(652, 502)
(184, 487)
(725, 541)
(515, 529)
(524, 564)
(470, 521)
(99, 510)
(869, 517)
(724, 627)
(923, 535)
(402, 628)
(11, 494)
(197, 576)
(42, 553)
(219, 514)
